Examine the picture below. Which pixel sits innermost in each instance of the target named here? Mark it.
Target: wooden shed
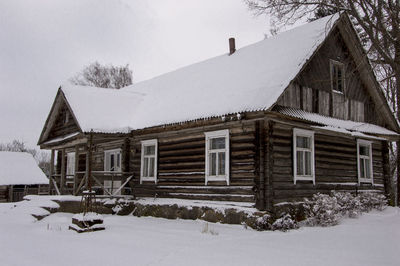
(270, 123)
(19, 176)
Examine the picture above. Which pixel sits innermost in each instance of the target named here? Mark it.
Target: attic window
(66, 118)
(337, 76)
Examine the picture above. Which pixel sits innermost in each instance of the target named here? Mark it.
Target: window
(337, 76)
(112, 160)
(364, 156)
(217, 156)
(70, 164)
(303, 155)
(112, 187)
(66, 117)
(148, 170)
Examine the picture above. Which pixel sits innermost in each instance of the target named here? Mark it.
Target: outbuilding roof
(20, 168)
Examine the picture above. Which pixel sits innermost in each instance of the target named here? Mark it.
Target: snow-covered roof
(250, 79)
(20, 168)
(334, 123)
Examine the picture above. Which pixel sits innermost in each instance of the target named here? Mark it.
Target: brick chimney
(232, 47)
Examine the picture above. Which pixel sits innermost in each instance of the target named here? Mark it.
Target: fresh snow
(251, 79)
(87, 217)
(20, 168)
(369, 240)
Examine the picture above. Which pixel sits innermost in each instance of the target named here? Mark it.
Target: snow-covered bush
(284, 223)
(322, 210)
(327, 210)
(263, 222)
(370, 200)
(349, 204)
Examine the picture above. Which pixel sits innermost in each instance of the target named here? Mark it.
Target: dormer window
(337, 76)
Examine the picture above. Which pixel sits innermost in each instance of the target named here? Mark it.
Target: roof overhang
(346, 127)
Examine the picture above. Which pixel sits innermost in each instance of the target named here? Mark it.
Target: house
(19, 176)
(270, 123)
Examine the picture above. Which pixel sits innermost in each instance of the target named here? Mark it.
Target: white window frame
(70, 169)
(361, 142)
(309, 134)
(334, 63)
(150, 142)
(108, 153)
(213, 135)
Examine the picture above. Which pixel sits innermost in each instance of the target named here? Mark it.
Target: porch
(93, 162)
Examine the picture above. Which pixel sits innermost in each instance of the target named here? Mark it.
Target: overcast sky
(45, 42)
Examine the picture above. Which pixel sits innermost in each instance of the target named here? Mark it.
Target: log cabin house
(273, 122)
(20, 176)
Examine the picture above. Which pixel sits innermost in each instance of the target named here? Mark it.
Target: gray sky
(45, 42)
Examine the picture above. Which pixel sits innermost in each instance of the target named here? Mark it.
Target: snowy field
(373, 239)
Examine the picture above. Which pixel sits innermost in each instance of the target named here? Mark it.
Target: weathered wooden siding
(60, 128)
(335, 165)
(181, 165)
(3, 193)
(312, 92)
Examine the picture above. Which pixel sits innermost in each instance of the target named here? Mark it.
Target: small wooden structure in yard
(270, 123)
(19, 176)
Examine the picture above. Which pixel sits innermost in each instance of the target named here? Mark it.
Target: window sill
(338, 92)
(366, 181)
(218, 178)
(304, 178)
(148, 179)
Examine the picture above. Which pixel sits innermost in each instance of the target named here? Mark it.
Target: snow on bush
(371, 201)
(327, 210)
(284, 223)
(263, 222)
(349, 204)
(322, 210)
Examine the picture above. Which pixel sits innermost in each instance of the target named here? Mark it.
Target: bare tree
(378, 23)
(104, 76)
(42, 158)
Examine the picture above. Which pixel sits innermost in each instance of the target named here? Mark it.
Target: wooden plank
(63, 172)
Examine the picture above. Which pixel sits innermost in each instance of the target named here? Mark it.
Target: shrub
(370, 200)
(263, 222)
(327, 210)
(284, 223)
(322, 210)
(349, 204)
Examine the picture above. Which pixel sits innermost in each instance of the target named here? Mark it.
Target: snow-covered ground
(372, 239)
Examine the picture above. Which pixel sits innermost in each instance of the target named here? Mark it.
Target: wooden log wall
(181, 164)
(311, 91)
(3, 193)
(61, 127)
(335, 165)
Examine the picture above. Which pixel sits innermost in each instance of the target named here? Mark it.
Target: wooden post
(87, 168)
(10, 193)
(89, 162)
(386, 172)
(76, 169)
(270, 165)
(261, 147)
(51, 172)
(62, 182)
